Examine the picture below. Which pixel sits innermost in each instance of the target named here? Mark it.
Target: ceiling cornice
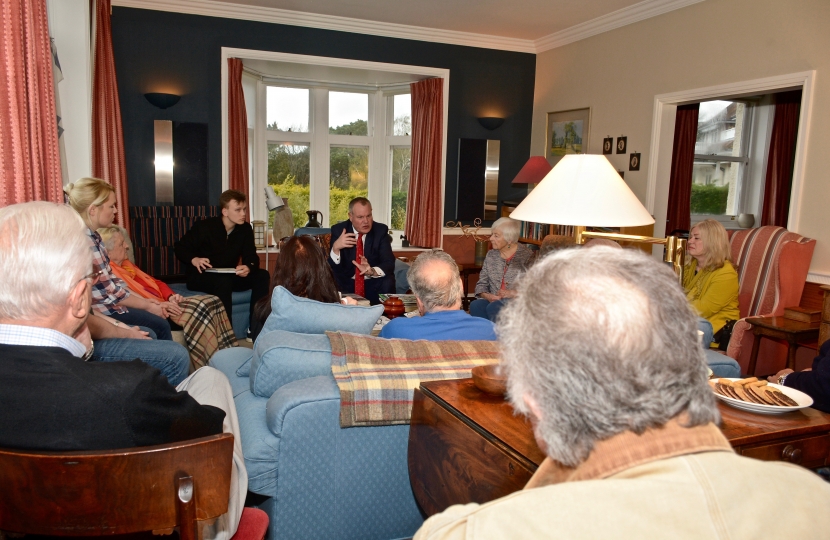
(631, 14)
(214, 8)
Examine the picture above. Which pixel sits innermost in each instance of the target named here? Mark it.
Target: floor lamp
(586, 190)
(272, 202)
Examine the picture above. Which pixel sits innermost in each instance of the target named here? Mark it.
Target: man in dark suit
(361, 253)
(51, 398)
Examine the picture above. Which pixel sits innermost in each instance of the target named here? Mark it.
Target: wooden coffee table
(468, 446)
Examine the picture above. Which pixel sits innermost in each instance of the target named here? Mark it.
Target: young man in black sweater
(224, 243)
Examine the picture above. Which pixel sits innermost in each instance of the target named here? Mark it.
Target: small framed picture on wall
(622, 144)
(608, 145)
(634, 162)
(568, 133)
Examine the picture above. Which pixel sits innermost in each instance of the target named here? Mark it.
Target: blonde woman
(710, 281)
(94, 200)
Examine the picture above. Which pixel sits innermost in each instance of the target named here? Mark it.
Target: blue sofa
(321, 481)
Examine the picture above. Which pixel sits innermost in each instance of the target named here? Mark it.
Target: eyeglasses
(94, 277)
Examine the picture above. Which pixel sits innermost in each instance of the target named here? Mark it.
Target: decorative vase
(312, 218)
(746, 220)
(481, 251)
(393, 307)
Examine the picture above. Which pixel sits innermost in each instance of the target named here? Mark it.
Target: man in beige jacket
(601, 353)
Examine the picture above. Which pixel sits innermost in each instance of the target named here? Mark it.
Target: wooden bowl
(393, 307)
(490, 379)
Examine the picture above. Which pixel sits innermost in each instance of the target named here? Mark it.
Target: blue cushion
(294, 314)
(233, 361)
(282, 357)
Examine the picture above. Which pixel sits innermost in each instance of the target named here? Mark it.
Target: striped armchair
(156, 229)
(772, 267)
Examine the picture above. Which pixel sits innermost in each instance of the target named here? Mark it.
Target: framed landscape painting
(568, 133)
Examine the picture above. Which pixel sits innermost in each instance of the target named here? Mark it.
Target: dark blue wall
(157, 51)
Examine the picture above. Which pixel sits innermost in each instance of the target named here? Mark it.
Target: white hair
(435, 289)
(604, 341)
(509, 228)
(44, 252)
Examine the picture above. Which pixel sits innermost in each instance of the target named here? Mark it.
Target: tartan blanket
(377, 377)
(206, 328)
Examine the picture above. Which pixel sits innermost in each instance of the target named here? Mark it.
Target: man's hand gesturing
(344, 241)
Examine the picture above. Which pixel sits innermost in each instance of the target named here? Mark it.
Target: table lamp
(272, 202)
(586, 190)
(536, 168)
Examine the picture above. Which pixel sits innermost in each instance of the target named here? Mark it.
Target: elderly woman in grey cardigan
(502, 267)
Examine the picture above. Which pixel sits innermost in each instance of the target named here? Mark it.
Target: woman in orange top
(203, 318)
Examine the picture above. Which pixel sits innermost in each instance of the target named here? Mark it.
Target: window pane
(287, 109)
(402, 115)
(288, 173)
(715, 187)
(401, 165)
(720, 128)
(348, 113)
(349, 178)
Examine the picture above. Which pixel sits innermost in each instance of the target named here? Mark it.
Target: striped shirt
(110, 289)
(495, 270)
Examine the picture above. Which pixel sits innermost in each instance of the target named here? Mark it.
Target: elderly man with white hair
(601, 353)
(436, 283)
(54, 400)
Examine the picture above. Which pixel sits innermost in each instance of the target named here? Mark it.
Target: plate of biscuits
(759, 396)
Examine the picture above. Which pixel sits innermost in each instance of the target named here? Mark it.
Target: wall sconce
(162, 101)
(490, 122)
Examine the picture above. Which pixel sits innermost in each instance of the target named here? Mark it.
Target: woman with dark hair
(303, 270)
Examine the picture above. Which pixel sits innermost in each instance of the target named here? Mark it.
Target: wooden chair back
(106, 492)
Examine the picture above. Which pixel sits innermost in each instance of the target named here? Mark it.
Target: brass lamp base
(675, 252)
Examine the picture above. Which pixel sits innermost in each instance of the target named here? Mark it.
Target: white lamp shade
(272, 200)
(586, 190)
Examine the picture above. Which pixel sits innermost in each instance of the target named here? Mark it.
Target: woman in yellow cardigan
(710, 280)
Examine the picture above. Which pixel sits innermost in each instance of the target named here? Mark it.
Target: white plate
(801, 398)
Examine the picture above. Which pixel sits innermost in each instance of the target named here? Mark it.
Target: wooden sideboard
(468, 446)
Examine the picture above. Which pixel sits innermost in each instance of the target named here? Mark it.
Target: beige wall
(716, 42)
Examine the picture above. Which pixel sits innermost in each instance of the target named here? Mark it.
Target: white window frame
(748, 183)
(380, 152)
(662, 136)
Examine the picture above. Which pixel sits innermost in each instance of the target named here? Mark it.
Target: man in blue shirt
(436, 283)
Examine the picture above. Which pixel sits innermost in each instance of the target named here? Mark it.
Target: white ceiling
(518, 25)
(522, 19)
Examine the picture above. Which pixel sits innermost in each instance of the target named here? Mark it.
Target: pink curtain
(29, 153)
(779, 178)
(423, 203)
(678, 214)
(237, 129)
(107, 134)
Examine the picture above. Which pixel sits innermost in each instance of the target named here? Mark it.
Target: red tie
(359, 286)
